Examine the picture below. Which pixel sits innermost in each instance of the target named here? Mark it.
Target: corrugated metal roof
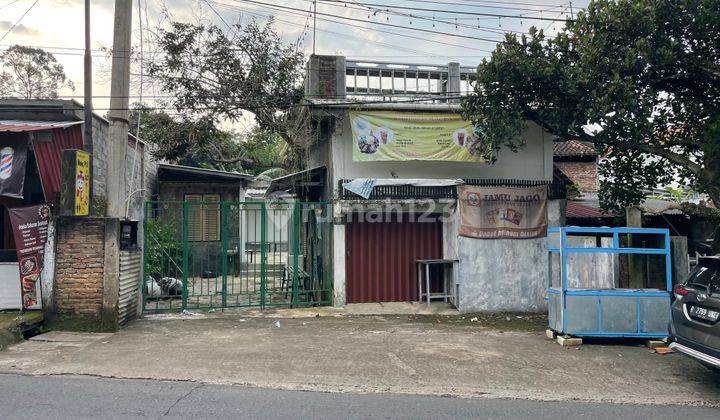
(168, 172)
(49, 154)
(23, 126)
(577, 210)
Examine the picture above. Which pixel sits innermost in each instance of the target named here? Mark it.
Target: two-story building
(399, 164)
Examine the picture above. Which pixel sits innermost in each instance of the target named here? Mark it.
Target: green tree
(200, 142)
(217, 76)
(638, 78)
(31, 73)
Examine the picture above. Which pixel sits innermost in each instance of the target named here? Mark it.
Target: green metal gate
(203, 255)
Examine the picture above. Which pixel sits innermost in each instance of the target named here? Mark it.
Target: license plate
(704, 313)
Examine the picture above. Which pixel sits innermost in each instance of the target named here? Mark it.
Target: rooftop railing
(388, 80)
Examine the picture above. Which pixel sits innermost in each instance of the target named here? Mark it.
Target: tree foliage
(219, 76)
(638, 78)
(200, 142)
(31, 73)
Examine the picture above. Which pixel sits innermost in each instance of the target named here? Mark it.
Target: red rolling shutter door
(380, 258)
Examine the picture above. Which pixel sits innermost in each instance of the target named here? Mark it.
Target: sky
(355, 28)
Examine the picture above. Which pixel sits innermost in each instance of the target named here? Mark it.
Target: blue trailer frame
(640, 313)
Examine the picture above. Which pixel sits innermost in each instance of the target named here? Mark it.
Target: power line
(18, 21)
(9, 4)
(376, 23)
(493, 5)
(256, 13)
(476, 3)
(445, 11)
(418, 99)
(465, 47)
(428, 18)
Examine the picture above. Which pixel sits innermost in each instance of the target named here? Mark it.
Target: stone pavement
(426, 355)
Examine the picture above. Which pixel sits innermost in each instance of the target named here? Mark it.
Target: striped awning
(22, 126)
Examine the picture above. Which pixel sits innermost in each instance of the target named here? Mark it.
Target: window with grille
(203, 217)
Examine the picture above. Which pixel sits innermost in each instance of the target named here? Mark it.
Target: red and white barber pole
(6, 162)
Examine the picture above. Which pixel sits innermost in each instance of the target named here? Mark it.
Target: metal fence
(216, 255)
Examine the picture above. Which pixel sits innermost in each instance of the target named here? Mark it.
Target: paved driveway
(400, 354)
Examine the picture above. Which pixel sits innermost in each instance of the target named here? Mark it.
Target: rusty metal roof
(581, 211)
(22, 126)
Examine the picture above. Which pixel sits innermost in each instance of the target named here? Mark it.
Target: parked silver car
(694, 329)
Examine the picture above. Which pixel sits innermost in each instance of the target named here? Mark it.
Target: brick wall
(80, 255)
(583, 174)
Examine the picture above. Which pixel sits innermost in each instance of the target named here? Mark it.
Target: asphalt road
(65, 397)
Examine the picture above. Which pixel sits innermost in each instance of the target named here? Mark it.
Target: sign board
(13, 160)
(30, 225)
(75, 188)
(404, 136)
(503, 212)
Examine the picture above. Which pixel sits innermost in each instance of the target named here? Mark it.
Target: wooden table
(423, 276)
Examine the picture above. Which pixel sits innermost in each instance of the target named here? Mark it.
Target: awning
(180, 173)
(23, 126)
(314, 177)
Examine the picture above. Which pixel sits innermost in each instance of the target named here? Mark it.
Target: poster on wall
(13, 160)
(30, 225)
(82, 183)
(503, 212)
(405, 136)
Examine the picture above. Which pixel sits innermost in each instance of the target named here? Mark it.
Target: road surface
(72, 397)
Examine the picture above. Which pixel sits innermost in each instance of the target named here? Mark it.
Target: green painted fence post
(263, 254)
(186, 252)
(145, 257)
(224, 239)
(296, 232)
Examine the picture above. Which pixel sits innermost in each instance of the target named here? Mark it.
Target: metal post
(185, 252)
(263, 253)
(145, 254)
(296, 246)
(224, 239)
(119, 102)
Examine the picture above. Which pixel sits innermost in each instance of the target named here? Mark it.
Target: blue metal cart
(605, 311)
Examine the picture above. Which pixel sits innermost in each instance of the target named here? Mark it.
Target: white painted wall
(533, 162)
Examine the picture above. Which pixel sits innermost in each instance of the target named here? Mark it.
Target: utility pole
(119, 104)
(88, 107)
(314, 22)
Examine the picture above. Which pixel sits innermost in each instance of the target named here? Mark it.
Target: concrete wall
(532, 162)
(501, 274)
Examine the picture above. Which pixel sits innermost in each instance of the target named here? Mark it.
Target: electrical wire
(376, 23)
(18, 21)
(446, 11)
(465, 47)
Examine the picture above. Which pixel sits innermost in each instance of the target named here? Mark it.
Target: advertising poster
(404, 136)
(82, 183)
(13, 160)
(30, 225)
(503, 212)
